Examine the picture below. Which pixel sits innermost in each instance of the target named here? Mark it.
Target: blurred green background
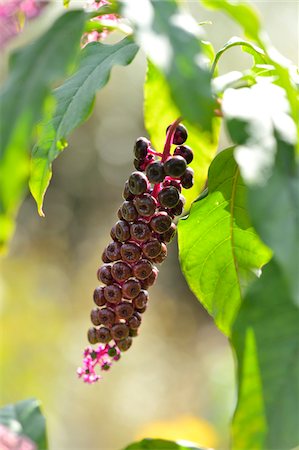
(178, 378)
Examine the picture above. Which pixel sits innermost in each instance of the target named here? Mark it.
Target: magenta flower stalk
(152, 200)
(100, 25)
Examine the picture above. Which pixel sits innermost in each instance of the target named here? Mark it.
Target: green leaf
(160, 111)
(33, 70)
(266, 343)
(25, 418)
(161, 444)
(171, 40)
(220, 252)
(258, 121)
(74, 103)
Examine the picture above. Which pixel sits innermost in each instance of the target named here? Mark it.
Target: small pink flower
(102, 357)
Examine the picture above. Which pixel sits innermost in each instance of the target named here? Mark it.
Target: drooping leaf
(161, 444)
(74, 102)
(219, 249)
(25, 418)
(266, 342)
(258, 121)
(171, 40)
(33, 69)
(160, 111)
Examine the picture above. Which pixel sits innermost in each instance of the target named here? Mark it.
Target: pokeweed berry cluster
(152, 199)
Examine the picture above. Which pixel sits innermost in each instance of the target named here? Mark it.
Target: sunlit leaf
(265, 339)
(33, 69)
(25, 418)
(171, 40)
(220, 252)
(161, 444)
(74, 103)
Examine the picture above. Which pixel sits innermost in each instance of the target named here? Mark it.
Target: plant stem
(169, 138)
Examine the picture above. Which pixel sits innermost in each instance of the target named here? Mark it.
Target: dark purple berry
(162, 256)
(92, 335)
(135, 321)
(150, 280)
(141, 300)
(141, 148)
(121, 271)
(131, 288)
(142, 269)
(130, 252)
(178, 209)
(94, 316)
(103, 335)
(138, 183)
(145, 205)
(124, 310)
(122, 230)
(98, 296)
(185, 152)
(169, 234)
(141, 310)
(127, 195)
(107, 316)
(152, 248)
(104, 274)
(113, 251)
(128, 211)
(155, 172)
(169, 197)
(124, 344)
(105, 258)
(112, 233)
(119, 214)
(119, 331)
(172, 182)
(161, 222)
(175, 166)
(138, 164)
(187, 179)
(140, 231)
(113, 293)
(180, 135)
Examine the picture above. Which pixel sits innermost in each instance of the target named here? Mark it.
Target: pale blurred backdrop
(177, 380)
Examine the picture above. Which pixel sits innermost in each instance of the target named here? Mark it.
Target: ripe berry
(92, 335)
(112, 233)
(149, 281)
(180, 135)
(124, 344)
(162, 256)
(124, 310)
(145, 205)
(104, 274)
(138, 164)
(141, 300)
(133, 333)
(103, 335)
(94, 316)
(175, 166)
(122, 230)
(128, 211)
(142, 269)
(141, 148)
(187, 179)
(138, 183)
(161, 221)
(107, 316)
(184, 151)
(152, 248)
(98, 296)
(169, 234)
(113, 293)
(178, 209)
(120, 331)
(172, 182)
(169, 197)
(155, 172)
(130, 252)
(105, 258)
(140, 231)
(135, 321)
(131, 288)
(113, 251)
(141, 310)
(121, 271)
(127, 195)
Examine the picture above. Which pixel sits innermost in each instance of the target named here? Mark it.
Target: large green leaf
(74, 102)
(266, 342)
(25, 418)
(171, 40)
(258, 121)
(160, 111)
(161, 444)
(219, 249)
(33, 69)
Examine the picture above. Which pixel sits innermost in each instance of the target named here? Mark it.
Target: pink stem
(169, 138)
